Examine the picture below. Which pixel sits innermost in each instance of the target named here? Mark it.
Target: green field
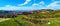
(11, 22)
(53, 19)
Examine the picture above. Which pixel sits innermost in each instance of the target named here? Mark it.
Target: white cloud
(26, 2)
(35, 4)
(9, 7)
(39, 4)
(54, 5)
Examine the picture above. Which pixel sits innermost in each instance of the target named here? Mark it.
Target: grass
(8, 23)
(54, 22)
(12, 22)
(54, 19)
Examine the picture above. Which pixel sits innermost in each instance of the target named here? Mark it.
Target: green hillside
(44, 18)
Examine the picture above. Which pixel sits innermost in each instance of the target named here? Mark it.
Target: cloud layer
(34, 6)
(26, 2)
(54, 5)
(39, 4)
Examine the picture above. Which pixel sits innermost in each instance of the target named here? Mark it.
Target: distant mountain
(20, 12)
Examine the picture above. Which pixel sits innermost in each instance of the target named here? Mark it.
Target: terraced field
(20, 22)
(35, 19)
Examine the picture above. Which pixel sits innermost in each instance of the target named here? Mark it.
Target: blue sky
(29, 4)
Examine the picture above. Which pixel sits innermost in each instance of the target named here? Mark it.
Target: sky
(29, 4)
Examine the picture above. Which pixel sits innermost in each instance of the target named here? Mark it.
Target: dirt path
(3, 19)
